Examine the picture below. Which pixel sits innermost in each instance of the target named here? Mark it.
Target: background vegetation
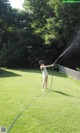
(41, 31)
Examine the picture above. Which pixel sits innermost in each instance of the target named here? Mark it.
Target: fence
(70, 72)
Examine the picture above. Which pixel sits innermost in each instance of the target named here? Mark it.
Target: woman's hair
(41, 62)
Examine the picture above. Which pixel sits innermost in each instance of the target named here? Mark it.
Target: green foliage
(53, 19)
(12, 55)
(78, 69)
(41, 13)
(41, 22)
(15, 38)
(68, 17)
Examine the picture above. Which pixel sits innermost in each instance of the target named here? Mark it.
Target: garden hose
(19, 114)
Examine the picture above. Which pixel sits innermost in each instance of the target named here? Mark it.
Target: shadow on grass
(64, 94)
(51, 72)
(4, 73)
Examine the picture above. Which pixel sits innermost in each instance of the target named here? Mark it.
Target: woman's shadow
(62, 93)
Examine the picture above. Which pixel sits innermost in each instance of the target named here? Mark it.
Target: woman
(44, 73)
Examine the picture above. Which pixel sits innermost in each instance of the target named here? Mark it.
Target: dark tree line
(41, 31)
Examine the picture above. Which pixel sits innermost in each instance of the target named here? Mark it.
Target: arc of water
(76, 39)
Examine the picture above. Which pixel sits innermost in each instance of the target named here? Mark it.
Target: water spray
(74, 42)
(61, 55)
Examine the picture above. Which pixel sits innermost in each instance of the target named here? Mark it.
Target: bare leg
(46, 81)
(43, 84)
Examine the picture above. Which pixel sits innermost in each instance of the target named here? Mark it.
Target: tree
(40, 31)
(42, 16)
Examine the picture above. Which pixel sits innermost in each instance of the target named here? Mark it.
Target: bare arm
(47, 66)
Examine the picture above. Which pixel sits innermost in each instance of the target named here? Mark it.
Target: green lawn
(53, 111)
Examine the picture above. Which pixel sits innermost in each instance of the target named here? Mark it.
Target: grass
(55, 111)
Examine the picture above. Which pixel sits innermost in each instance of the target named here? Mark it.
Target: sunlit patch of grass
(52, 111)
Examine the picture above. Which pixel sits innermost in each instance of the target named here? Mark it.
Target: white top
(44, 72)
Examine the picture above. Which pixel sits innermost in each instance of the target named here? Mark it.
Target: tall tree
(42, 15)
